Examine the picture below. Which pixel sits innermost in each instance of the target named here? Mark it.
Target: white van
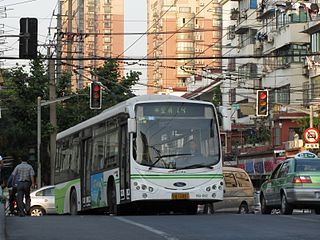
(238, 193)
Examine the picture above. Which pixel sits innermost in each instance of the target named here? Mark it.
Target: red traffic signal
(95, 95)
(262, 104)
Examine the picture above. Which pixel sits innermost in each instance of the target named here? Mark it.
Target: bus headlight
(213, 195)
(208, 189)
(143, 187)
(214, 187)
(138, 187)
(220, 187)
(135, 184)
(144, 195)
(151, 189)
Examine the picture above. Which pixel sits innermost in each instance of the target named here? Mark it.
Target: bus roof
(124, 107)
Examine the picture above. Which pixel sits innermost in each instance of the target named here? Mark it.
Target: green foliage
(217, 96)
(76, 109)
(19, 99)
(304, 123)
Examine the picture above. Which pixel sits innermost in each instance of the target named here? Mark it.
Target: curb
(2, 223)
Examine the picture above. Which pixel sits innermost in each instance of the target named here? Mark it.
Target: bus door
(124, 164)
(86, 155)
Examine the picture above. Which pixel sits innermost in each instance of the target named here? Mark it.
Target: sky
(43, 10)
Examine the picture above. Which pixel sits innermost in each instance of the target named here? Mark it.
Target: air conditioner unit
(270, 39)
(258, 46)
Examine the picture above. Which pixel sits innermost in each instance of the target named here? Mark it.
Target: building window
(248, 71)
(315, 42)
(184, 9)
(277, 136)
(240, 113)
(185, 46)
(283, 94)
(231, 64)
(232, 95)
(253, 4)
(300, 17)
(231, 32)
(185, 22)
(315, 87)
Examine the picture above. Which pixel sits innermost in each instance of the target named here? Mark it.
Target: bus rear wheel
(112, 199)
(73, 203)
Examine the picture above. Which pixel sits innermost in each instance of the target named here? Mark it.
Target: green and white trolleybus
(139, 155)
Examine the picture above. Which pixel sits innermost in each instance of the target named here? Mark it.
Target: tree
(21, 90)
(115, 89)
(19, 121)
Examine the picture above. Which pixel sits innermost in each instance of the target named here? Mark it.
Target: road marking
(301, 218)
(148, 228)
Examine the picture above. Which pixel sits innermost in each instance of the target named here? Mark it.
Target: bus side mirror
(132, 125)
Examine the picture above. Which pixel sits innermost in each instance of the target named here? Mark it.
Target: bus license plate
(180, 196)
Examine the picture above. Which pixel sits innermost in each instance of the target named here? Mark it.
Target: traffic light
(95, 95)
(262, 103)
(28, 40)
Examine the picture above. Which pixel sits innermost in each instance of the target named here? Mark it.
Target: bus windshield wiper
(159, 157)
(198, 165)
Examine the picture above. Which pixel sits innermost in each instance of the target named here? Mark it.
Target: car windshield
(307, 165)
(177, 142)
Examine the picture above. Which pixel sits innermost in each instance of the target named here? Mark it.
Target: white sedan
(42, 201)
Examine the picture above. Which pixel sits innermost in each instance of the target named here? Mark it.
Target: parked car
(294, 184)
(42, 201)
(238, 193)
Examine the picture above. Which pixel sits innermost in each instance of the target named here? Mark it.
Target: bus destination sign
(173, 109)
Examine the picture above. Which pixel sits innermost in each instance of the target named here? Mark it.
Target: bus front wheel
(73, 203)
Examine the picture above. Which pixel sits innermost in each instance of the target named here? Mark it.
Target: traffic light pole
(41, 103)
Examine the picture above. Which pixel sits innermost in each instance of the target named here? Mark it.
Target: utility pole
(311, 116)
(69, 37)
(59, 39)
(53, 114)
(39, 142)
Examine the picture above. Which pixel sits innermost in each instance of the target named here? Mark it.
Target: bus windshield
(176, 136)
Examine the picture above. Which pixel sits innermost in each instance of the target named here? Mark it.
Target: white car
(42, 201)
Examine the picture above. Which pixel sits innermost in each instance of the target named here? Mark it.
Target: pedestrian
(25, 174)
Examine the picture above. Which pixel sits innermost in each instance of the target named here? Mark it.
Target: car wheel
(37, 211)
(73, 203)
(264, 208)
(286, 209)
(243, 209)
(317, 210)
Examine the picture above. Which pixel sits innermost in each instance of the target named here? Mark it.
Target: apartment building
(189, 29)
(90, 29)
(274, 37)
